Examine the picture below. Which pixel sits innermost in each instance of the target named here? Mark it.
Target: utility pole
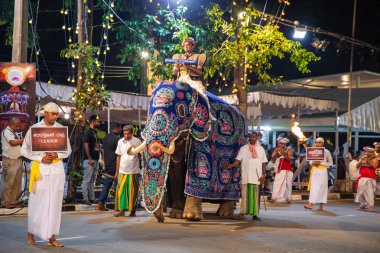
(20, 31)
(73, 182)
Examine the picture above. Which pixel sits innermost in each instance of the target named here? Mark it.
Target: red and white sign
(315, 154)
(49, 139)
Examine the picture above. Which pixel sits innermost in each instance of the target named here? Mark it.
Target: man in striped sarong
(127, 174)
(253, 159)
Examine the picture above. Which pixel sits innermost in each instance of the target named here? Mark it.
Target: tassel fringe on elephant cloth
(45, 199)
(126, 192)
(250, 199)
(318, 185)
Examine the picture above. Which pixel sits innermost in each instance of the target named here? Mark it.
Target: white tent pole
(299, 149)
(109, 119)
(351, 77)
(336, 146)
(139, 119)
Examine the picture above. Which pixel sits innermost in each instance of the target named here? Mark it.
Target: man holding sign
(47, 176)
(320, 159)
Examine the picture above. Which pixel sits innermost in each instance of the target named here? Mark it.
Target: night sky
(334, 16)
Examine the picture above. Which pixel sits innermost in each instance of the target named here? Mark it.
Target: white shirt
(26, 149)
(129, 164)
(251, 168)
(12, 152)
(353, 172)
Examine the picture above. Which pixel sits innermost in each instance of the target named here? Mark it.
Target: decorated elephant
(185, 153)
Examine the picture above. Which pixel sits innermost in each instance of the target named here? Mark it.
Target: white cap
(320, 139)
(51, 107)
(376, 143)
(370, 149)
(282, 140)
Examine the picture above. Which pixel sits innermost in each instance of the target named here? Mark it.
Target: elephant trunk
(134, 151)
(169, 150)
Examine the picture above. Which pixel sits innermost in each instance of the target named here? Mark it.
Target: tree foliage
(92, 93)
(160, 35)
(253, 48)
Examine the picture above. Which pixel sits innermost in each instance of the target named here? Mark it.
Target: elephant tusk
(134, 151)
(169, 150)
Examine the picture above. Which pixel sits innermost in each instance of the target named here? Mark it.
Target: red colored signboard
(315, 154)
(49, 139)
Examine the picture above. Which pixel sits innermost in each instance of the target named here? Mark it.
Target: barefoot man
(47, 178)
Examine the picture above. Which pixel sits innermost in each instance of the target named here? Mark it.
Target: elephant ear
(201, 119)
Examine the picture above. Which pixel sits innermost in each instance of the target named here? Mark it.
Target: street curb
(78, 207)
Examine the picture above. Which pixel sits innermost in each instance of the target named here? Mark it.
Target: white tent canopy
(269, 105)
(364, 117)
(124, 107)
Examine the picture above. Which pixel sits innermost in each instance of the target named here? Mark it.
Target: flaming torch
(296, 130)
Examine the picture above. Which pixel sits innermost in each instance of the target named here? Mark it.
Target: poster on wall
(17, 94)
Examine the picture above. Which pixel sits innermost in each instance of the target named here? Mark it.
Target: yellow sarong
(311, 174)
(35, 173)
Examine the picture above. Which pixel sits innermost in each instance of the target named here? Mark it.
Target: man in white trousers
(318, 182)
(282, 185)
(47, 179)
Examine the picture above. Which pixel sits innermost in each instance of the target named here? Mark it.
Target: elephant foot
(159, 215)
(193, 209)
(176, 213)
(226, 209)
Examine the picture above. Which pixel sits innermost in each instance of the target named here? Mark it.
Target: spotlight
(299, 33)
(67, 116)
(144, 54)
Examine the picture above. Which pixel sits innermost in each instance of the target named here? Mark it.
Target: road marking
(348, 215)
(67, 238)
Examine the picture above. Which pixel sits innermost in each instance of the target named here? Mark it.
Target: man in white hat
(47, 180)
(318, 182)
(366, 185)
(282, 185)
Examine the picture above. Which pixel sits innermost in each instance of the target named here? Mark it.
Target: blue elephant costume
(176, 108)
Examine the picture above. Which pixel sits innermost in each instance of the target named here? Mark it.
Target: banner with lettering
(49, 139)
(315, 154)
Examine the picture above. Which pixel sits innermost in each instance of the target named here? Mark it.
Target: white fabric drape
(364, 117)
(119, 100)
(260, 101)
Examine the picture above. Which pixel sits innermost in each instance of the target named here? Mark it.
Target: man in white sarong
(282, 185)
(47, 178)
(318, 182)
(366, 185)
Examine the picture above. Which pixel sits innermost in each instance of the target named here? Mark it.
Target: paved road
(283, 229)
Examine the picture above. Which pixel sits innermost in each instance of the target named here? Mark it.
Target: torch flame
(296, 130)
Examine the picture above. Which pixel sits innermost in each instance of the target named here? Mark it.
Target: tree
(160, 35)
(246, 45)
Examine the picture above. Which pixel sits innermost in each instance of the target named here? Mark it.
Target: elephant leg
(176, 178)
(159, 214)
(193, 209)
(226, 208)
(176, 213)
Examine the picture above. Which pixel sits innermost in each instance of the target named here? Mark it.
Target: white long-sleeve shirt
(26, 149)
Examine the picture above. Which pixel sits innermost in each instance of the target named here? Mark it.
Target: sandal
(239, 217)
(55, 244)
(308, 207)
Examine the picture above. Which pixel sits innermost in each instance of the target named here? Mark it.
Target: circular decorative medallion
(15, 76)
(160, 123)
